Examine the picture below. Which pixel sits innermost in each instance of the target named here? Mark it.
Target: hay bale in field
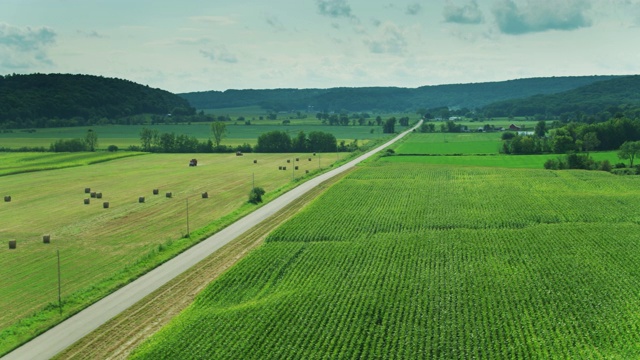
(7, 199)
(156, 191)
(284, 168)
(12, 244)
(105, 204)
(314, 154)
(99, 195)
(93, 194)
(87, 190)
(87, 201)
(296, 168)
(169, 194)
(205, 195)
(297, 159)
(309, 159)
(255, 161)
(306, 171)
(141, 199)
(279, 167)
(288, 161)
(46, 239)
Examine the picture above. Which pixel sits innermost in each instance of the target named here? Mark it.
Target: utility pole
(188, 233)
(59, 285)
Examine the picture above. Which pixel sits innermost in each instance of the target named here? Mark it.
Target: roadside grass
(102, 249)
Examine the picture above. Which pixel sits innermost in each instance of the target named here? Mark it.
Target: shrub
(255, 195)
(112, 148)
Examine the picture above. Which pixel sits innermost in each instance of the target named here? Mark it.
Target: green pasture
(124, 136)
(451, 143)
(101, 248)
(413, 261)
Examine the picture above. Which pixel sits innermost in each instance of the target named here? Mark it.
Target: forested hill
(620, 95)
(388, 98)
(48, 100)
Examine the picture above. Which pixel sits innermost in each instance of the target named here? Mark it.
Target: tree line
(64, 100)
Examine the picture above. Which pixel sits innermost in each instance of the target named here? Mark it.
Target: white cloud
(389, 39)
(334, 8)
(466, 14)
(25, 47)
(541, 15)
(220, 54)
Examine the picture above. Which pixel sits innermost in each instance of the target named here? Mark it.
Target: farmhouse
(513, 127)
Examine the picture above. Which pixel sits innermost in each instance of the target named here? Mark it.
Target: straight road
(73, 329)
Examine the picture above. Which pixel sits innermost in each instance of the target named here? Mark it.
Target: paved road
(73, 329)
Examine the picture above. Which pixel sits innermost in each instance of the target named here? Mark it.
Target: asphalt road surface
(76, 327)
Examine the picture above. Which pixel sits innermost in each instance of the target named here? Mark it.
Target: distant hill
(388, 99)
(618, 95)
(43, 100)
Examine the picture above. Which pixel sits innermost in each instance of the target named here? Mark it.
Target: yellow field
(100, 246)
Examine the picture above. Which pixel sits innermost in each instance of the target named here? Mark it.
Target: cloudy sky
(197, 45)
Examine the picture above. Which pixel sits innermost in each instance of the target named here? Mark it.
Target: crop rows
(496, 289)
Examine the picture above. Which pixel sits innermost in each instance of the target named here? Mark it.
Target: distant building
(513, 127)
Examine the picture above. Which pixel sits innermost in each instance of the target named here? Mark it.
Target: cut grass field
(101, 249)
(414, 260)
(451, 143)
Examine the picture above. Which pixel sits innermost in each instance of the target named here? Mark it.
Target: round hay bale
(309, 159)
(105, 204)
(279, 167)
(306, 171)
(169, 195)
(297, 159)
(314, 154)
(7, 199)
(288, 161)
(87, 190)
(93, 194)
(205, 195)
(12, 244)
(156, 191)
(284, 168)
(87, 201)
(141, 199)
(296, 168)
(255, 161)
(99, 195)
(46, 239)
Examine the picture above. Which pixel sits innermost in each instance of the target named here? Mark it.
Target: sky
(199, 45)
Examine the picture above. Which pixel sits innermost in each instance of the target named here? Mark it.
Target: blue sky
(197, 45)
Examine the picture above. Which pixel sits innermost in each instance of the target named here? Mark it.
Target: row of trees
(89, 143)
(281, 142)
(574, 137)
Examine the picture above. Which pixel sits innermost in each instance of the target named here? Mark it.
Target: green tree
(91, 139)
(218, 130)
(629, 150)
(540, 129)
(147, 137)
(255, 195)
(590, 142)
(389, 126)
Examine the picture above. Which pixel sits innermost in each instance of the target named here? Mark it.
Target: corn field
(409, 261)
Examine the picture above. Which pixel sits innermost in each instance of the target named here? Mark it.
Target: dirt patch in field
(118, 337)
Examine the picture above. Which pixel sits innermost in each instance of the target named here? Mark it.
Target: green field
(15, 163)
(124, 136)
(103, 248)
(451, 143)
(410, 260)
